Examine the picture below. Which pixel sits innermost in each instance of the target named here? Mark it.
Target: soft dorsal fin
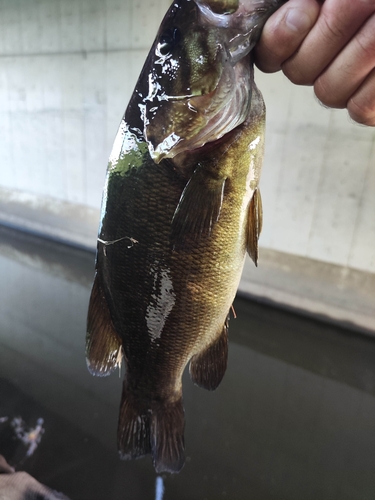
(103, 345)
(254, 225)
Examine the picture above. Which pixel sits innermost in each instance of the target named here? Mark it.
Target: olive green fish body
(179, 211)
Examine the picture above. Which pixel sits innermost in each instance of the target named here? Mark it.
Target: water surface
(294, 417)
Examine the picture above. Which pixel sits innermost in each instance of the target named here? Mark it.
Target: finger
(4, 466)
(338, 21)
(361, 105)
(284, 32)
(349, 69)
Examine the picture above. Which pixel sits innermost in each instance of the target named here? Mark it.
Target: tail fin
(167, 436)
(156, 428)
(133, 434)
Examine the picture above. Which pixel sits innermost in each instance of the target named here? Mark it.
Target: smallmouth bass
(181, 206)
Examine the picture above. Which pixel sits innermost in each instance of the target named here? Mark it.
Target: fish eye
(168, 40)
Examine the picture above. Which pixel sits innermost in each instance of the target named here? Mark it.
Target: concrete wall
(67, 69)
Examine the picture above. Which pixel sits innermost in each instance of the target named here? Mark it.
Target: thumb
(284, 32)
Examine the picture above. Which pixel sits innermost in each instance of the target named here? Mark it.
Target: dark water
(294, 417)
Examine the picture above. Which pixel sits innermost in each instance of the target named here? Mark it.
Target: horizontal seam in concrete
(83, 53)
(342, 295)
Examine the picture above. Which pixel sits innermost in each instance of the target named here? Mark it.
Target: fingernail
(297, 20)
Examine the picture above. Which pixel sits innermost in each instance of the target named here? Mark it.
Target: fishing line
(159, 488)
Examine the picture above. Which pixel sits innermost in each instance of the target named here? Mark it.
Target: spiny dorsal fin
(254, 225)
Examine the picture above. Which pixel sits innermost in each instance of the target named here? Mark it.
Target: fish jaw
(198, 72)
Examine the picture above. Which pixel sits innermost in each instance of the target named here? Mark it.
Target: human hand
(330, 46)
(20, 485)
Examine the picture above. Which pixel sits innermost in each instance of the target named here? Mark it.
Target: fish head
(199, 76)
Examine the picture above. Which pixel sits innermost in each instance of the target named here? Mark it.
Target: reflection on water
(294, 417)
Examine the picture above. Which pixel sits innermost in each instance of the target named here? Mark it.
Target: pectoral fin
(103, 345)
(199, 207)
(254, 225)
(208, 367)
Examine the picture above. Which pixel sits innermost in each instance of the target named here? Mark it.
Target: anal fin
(103, 345)
(199, 207)
(254, 225)
(208, 367)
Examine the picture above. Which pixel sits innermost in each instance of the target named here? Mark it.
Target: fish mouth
(185, 126)
(186, 123)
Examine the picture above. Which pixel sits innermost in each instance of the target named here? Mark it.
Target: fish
(181, 207)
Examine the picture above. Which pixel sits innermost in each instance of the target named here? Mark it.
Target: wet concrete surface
(294, 417)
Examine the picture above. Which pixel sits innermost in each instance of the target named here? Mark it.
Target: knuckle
(326, 94)
(366, 42)
(362, 111)
(295, 73)
(331, 27)
(266, 59)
